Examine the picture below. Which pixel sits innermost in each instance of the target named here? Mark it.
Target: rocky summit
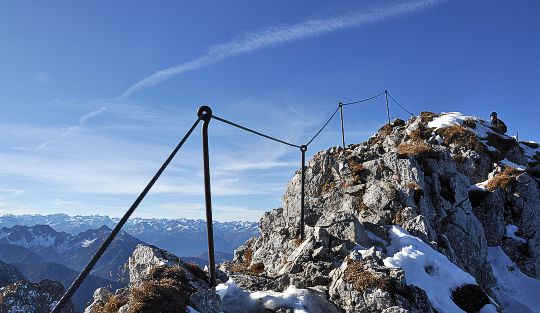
(439, 213)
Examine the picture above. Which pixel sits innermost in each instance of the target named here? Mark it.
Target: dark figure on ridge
(497, 125)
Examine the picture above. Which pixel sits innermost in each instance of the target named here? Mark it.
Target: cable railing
(204, 114)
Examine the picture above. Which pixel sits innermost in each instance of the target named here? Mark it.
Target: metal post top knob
(340, 104)
(303, 148)
(204, 113)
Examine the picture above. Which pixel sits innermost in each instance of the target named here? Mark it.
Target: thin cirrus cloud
(82, 120)
(275, 35)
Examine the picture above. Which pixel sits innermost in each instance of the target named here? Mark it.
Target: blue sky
(87, 116)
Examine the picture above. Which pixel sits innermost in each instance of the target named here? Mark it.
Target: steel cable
(400, 105)
(320, 130)
(364, 100)
(82, 276)
(254, 131)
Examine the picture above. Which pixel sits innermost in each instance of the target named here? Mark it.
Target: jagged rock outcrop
(434, 214)
(159, 282)
(446, 179)
(24, 296)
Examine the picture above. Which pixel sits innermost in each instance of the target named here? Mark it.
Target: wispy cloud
(83, 119)
(275, 35)
(10, 192)
(69, 130)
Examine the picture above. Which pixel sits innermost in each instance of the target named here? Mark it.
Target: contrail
(275, 35)
(82, 120)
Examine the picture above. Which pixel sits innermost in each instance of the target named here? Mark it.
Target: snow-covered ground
(456, 118)
(236, 299)
(424, 267)
(516, 292)
(428, 269)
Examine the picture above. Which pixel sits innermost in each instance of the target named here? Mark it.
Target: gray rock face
(101, 296)
(206, 301)
(420, 178)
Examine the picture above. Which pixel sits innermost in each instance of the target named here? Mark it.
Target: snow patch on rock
(515, 291)
(426, 268)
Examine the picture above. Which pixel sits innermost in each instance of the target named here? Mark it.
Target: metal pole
(387, 108)
(205, 115)
(303, 149)
(342, 128)
(90, 265)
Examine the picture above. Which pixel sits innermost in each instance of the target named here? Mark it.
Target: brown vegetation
(245, 266)
(418, 192)
(504, 180)
(427, 117)
(112, 305)
(461, 137)
(356, 168)
(197, 271)
(257, 268)
(386, 130)
(297, 241)
(412, 185)
(399, 218)
(415, 149)
(469, 122)
(459, 158)
(165, 289)
(361, 279)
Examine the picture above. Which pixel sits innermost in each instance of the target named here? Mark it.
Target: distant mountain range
(57, 247)
(180, 236)
(73, 251)
(40, 252)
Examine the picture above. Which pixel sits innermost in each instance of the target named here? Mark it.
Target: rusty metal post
(387, 108)
(303, 149)
(342, 128)
(205, 115)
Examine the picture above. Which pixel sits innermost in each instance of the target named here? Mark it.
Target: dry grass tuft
(460, 137)
(297, 241)
(418, 192)
(426, 117)
(469, 122)
(166, 289)
(245, 267)
(257, 268)
(459, 158)
(386, 130)
(164, 296)
(361, 279)
(399, 219)
(112, 305)
(412, 185)
(197, 271)
(416, 149)
(421, 133)
(356, 168)
(504, 180)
